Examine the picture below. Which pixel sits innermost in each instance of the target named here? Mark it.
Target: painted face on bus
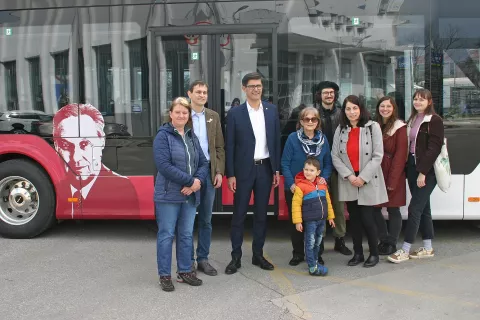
(82, 155)
(386, 109)
(253, 89)
(179, 116)
(199, 95)
(352, 111)
(420, 104)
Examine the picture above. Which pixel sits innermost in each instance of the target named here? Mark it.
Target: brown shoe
(190, 278)
(166, 283)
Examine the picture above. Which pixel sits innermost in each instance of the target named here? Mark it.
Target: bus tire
(27, 199)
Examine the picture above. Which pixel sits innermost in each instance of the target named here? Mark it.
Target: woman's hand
(196, 185)
(186, 191)
(421, 180)
(360, 182)
(352, 179)
(323, 181)
(292, 188)
(299, 227)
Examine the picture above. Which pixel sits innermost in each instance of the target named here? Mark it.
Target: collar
(197, 113)
(86, 189)
(250, 109)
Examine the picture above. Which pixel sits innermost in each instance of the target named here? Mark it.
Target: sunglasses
(312, 120)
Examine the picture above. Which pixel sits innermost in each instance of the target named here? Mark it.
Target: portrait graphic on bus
(79, 138)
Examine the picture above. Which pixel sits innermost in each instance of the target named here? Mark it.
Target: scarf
(317, 141)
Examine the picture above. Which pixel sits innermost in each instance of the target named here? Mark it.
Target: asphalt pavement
(107, 270)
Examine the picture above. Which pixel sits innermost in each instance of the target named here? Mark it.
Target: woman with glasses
(308, 140)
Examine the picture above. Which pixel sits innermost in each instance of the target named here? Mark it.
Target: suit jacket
(241, 140)
(216, 143)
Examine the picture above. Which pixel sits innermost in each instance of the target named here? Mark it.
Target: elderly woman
(308, 140)
(357, 154)
(181, 168)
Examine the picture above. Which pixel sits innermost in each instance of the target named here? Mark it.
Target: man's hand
(218, 181)
(332, 223)
(232, 184)
(299, 227)
(276, 179)
(196, 185)
(187, 191)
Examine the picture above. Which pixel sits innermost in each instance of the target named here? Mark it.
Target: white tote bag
(442, 168)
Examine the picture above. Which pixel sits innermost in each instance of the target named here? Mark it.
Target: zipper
(320, 199)
(186, 148)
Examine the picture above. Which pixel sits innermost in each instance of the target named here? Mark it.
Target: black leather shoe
(262, 263)
(371, 261)
(357, 258)
(341, 247)
(296, 260)
(386, 249)
(320, 260)
(233, 266)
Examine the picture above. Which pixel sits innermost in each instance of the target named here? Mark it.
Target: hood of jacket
(301, 180)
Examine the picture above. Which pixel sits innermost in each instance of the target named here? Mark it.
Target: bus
(86, 84)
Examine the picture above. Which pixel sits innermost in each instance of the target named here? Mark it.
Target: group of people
(337, 156)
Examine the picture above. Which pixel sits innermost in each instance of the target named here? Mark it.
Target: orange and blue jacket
(311, 200)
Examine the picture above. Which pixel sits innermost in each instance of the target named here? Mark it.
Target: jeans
(389, 236)
(174, 219)
(361, 218)
(313, 237)
(204, 219)
(419, 211)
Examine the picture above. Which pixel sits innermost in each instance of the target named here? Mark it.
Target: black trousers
(260, 182)
(391, 234)
(362, 218)
(295, 236)
(419, 211)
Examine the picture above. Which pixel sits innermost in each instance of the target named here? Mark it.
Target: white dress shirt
(257, 118)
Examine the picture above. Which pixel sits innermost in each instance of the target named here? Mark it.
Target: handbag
(442, 168)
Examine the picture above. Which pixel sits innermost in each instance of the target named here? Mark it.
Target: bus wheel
(27, 199)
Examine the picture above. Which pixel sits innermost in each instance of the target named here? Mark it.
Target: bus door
(220, 55)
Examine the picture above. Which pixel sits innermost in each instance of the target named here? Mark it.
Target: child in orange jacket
(311, 204)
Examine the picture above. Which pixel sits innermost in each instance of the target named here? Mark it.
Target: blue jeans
(174, 219)
(313, 237)
(204, 218)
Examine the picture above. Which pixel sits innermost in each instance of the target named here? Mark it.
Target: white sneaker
(421, 253)
(399, 256)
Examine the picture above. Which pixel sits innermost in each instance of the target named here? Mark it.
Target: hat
(327, 84)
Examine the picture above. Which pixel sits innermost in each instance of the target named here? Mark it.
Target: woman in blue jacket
(308, 140)
(181, 170)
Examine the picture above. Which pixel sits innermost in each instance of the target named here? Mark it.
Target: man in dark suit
(253, 164)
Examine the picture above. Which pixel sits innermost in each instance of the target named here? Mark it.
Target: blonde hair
(182, 101)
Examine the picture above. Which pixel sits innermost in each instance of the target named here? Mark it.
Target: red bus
(85, 85)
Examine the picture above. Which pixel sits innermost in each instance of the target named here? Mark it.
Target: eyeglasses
(252, 86)
(328, 93)
(312, 120)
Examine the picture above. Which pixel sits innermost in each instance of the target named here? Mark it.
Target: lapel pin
(209, 120)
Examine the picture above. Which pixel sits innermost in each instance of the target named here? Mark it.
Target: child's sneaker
(421, 253)
(318, 270)
(399, 256)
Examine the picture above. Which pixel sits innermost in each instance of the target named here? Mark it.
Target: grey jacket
(371, 154)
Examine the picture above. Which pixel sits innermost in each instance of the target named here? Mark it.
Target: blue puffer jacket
(179, 160)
